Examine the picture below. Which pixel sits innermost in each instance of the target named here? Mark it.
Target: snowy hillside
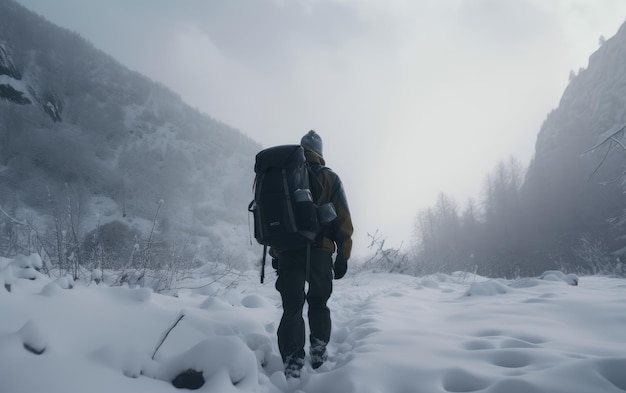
(574, 185)
(86, 143)
(392, 334)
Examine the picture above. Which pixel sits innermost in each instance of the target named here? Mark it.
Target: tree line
(522, 226)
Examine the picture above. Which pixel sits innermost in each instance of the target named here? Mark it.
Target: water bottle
(326, 213)
(303, 195)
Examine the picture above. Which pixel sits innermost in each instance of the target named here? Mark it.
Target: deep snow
(392, 333)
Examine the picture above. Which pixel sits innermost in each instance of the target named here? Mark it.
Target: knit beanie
(312, 141)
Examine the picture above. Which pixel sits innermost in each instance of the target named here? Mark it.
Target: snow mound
(255, 301)
(32, 338)
(261, 345)
(487, 288)
(29, 337)
(429, 283)
(25, 262)
(555, 275)
(226, 364)
(21, 267)
(214, 303)
(55, 286)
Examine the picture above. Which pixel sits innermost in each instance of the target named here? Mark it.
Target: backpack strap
(263, 264)
(314, 170)
(307, 273)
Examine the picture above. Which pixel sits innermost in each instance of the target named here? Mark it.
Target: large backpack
(285, 214)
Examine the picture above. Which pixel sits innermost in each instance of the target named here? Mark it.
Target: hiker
(292, 269)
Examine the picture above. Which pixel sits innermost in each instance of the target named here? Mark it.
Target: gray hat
(312, 141)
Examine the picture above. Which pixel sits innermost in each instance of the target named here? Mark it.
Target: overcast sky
(411, 97)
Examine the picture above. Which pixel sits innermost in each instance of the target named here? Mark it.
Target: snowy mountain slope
(572, 191)
(12, 88)
(80, 129)
(593, 103)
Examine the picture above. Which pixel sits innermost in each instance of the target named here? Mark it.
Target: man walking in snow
(292, 269)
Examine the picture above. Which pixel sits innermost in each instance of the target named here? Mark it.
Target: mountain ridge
(79, 125)
(574, 192)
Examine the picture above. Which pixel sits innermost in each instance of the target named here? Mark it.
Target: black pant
(290, 284)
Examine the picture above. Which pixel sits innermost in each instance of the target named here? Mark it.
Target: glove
(340, 267)
(274, 258)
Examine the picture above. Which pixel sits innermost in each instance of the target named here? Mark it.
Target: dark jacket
(338, 235)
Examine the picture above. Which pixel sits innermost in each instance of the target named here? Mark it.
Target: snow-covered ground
(392, 333)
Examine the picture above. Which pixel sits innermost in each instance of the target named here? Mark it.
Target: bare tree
(612, 142)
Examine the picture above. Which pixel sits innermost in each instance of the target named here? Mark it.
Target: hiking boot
(318, 356)
(293, 367)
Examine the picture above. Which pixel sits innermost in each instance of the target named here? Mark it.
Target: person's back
(314, 264)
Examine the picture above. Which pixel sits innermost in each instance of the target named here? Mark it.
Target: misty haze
(489, 217)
